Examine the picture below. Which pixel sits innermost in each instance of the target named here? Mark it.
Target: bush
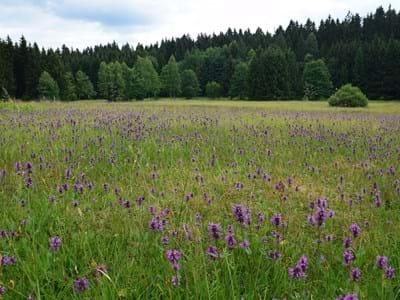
(4, 96)
(213, 90)
(348, 96)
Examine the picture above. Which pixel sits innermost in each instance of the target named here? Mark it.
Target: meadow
(199, 200)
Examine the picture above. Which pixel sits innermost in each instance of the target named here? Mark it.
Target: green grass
(204, 148)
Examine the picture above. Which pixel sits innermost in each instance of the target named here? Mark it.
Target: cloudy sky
(81, 23)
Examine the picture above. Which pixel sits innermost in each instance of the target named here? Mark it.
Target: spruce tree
(317, 80)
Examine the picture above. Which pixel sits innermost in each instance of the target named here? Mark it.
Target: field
(199, 200)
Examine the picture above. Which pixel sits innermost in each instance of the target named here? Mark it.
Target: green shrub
(4, 96)
(348, 96)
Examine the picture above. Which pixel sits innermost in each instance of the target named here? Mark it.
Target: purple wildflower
(157, 224)
(347, 243)
(81, 284)
(348, 297)
(276, 220)
(355, 230)
(348, 257)
(355, 274)
(54, 243)
(214, 231)
(173, 257)
(274, 254)
(245, 244)
(241, 214)
(212, 252)
(381, 262)
(299, 271)
(175, 280)
(3, 290)
(389, 273)
(230, 241)
(8, 260)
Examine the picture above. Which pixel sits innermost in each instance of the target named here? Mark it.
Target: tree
(84, 87)
(190, 84)
(311, 45)
(239, 81)
(170, 78)
(213, 90)
(69, 92)
(48, 87)
(103, 81)
(139, 89)
(116, 87)
(147, 75)
(348, 96)
(317, 80)
(269, 75)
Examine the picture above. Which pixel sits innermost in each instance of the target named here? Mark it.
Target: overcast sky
(81, 23)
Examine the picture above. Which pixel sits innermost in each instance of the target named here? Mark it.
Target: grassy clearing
(80, 171)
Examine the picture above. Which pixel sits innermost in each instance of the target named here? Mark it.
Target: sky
(82, 23)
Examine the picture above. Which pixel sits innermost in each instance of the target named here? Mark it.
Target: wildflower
(54, 243)
(241, 214)
(230, 241)
(100, 270)
(389, 273)
(175, 280)
(140, 200)
(299, 271)
(381, 262)
(157, 224)
(8, 260)
(348, 257)
(274, 254)
(260, 219)
(152, 210)
(3, 290)
(188, 232)
(245, 244)
(276, 220)
(164, 240)
(173, 257)
(212, 252)
(81, 284)
(355, 230)
(198, 218)
(348, 297)
(214, 231)
(355, 274)
(347, 243)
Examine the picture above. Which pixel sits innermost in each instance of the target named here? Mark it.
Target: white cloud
(80, 23)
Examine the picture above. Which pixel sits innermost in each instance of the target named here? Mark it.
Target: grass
(187, 158)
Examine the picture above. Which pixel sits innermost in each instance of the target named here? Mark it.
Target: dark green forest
(301, 61)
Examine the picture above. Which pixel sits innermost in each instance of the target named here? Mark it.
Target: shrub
(348, 96)
(4, 96)
(213, 90)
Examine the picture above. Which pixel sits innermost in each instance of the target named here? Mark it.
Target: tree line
(300, 61)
